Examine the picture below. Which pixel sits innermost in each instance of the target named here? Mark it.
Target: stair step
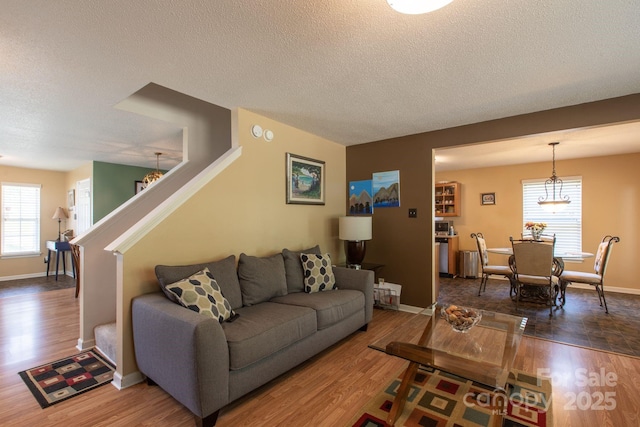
(106, 339)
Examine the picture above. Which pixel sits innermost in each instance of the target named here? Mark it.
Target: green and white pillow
(200, 292)
(318, 273)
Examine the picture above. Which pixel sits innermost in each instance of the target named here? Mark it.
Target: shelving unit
(447, 200)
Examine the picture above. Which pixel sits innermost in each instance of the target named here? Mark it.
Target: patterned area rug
(65, 378)
(439, 399)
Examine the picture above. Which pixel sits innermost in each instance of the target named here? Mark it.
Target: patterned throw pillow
(318, 273)
(200, 292)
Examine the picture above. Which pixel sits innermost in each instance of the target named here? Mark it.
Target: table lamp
(59, 215)
(355, 230)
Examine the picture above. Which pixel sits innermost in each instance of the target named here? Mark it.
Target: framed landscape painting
(305, 180)
(360, 201)
(386, 189)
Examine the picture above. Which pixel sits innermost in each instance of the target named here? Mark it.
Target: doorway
(83, 208)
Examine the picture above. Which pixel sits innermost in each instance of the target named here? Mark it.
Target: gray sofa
(206, 364)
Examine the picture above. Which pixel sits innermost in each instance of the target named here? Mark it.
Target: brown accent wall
(405, 245)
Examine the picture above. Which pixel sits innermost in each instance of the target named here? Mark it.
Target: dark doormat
(65, 378)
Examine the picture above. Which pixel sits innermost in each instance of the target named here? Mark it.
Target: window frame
(565, 224)
(31, 219)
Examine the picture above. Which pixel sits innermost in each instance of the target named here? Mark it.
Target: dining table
(560, 256)
(564, 255)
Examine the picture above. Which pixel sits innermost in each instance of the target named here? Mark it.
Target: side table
(60, 248)
(364, 266)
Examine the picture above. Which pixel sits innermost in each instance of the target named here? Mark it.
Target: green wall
(113, 185)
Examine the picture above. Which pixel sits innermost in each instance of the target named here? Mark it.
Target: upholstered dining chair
(533, 266)
(487, 269)
(594, 279)
(75, 257)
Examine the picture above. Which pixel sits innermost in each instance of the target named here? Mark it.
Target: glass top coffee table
(485, 353)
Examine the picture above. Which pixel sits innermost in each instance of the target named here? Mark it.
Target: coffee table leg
(403, 392)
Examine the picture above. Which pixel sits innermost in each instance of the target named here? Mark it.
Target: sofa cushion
(200, 293)
(330, 307)
(261, 278)
(318, 273)
(264, 329)
(293, 267)
(224, 271)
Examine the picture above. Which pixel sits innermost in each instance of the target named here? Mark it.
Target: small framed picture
(71, 199)
(305, 180)
(139, 187)
(488, 199)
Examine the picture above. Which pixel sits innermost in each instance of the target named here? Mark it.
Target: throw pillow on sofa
(293, 267)
(318, 273)
(261, 278)
(200, 293)
(224, 271)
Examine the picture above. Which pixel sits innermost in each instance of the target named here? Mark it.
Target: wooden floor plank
(327, 390)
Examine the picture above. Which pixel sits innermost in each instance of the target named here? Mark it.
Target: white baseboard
(606, 289)
(24, 276)
(121, 382)
(86, 345)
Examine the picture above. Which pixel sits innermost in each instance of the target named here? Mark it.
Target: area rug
(65, 378)
(440, 399)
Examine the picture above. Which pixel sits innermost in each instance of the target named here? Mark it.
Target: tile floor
(581, 321)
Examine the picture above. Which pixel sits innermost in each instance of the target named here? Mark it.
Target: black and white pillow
(318, 273)
(200, 292)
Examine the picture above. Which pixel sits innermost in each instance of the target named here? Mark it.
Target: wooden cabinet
(447, 200)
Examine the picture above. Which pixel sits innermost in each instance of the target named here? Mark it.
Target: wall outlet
(413, 213)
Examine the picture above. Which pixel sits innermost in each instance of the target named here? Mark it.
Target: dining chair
(594, 279)
(533, 267)
(75, 258)
(487, 269)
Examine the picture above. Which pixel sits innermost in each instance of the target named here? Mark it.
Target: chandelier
(559, 202)
(416, 7)
(153, 176)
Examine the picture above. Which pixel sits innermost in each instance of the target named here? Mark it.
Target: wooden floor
(325, 391)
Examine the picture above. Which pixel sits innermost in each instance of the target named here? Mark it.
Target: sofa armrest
(360, 280)
(182, 351)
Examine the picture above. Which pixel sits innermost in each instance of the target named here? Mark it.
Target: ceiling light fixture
(561, 202)
(153, 176)
(416, 7)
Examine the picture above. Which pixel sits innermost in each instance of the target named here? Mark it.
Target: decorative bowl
(460, 318)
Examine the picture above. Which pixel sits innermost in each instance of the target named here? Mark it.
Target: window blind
(566, 224)
(20, 219)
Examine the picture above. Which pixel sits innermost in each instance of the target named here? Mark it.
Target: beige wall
(242, 210)
(52, 195)
(610, 202)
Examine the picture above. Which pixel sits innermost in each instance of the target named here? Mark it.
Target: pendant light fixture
(557, 202)
(153, 176)
(416, 7)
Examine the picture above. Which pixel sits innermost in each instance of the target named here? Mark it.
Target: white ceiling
(352, 71)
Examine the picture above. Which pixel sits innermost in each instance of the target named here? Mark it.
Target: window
(567, 224)
(20, 219)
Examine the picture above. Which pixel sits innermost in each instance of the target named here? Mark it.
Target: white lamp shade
(355, 228)
(59, 214)
(416, 7)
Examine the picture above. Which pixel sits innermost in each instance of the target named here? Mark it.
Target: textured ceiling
(352, 71)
